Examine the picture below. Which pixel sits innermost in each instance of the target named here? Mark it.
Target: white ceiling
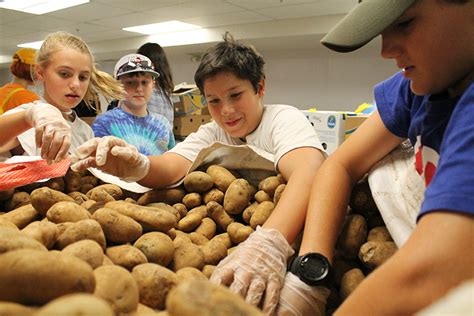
(268, 24)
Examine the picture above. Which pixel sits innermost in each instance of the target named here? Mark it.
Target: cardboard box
(185, 125)
(334, 127)
(187, 99)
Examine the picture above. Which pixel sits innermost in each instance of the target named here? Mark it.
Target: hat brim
(363, 23)
(154, 73)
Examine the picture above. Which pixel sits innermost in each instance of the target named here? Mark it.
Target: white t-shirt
(81, 132)
(282, 129)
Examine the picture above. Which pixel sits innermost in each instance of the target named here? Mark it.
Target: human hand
(299, 299)
(52, 132)
(112, 155)
(257, 266)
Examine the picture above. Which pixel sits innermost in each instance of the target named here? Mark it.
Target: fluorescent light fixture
(35, 45)
(40, 6)
(198, 36)
(163, 27)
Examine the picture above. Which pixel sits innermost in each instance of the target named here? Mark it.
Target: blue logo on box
(331, 121)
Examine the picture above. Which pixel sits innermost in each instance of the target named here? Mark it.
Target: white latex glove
(299, 299)
(52, 132)
(257, 266)
(112, 155)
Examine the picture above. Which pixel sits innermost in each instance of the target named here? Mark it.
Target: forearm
(327, 208)
(11, 126)
(165, 170)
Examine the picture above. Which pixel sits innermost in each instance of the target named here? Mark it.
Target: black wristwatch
(313, 269)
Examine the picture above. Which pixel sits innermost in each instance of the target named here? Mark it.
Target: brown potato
(188, 274)
(44, 232)
(239, 232)
(380, 233)
(13, 239)
(65, 211)
(85, 229)
(126, 256)
(214, 251)
(168, 196)
(117, 227)
(278, 193)
(270, 184)
(36, 277)
(6, 194)
(117, 286)
(43, 198)
(221, 176)
(17, 200)
(87, 250)
(198, 239)
(352, 236)
(78, 197)
(261, 214)
(14, 309)
(56, 184)
(215, 195)
(77, 304)
(72, 181)
(374, 253)
(261, 196)
(237, 197)
(181, 208)
(208, 269)
(21, 216)
(219, 215)
(248, 212)
(190, 222)
(157, 247)
(350, 281)
(198, 181)
(188, 255)
(168, 208)
(207, 228)
(105, 192)
(154, 283)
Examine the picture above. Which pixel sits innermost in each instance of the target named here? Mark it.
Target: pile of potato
(76, 245)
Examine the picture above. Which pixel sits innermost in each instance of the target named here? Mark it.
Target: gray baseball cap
(134, 63)
(363, 23)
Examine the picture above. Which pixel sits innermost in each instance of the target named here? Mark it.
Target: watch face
(314, 268)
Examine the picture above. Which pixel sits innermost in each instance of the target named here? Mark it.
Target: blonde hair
(100, 81)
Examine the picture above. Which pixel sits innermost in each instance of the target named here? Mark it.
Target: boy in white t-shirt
(232, 79)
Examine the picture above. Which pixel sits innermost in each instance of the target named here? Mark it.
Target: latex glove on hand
(257, 266)
(112, 155)
(299, 299)
(52, 132)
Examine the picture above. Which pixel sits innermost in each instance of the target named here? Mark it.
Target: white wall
(310, 78)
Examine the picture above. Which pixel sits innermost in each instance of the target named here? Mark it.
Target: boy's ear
(261, 88)
(39, 72)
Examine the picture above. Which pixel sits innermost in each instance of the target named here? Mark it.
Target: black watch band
(313, 269)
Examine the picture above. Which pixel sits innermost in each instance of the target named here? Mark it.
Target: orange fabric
(18, 98)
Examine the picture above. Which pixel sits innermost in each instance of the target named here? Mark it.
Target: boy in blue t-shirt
(150, 133)
(430, 102)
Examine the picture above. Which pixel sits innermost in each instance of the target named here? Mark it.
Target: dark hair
(158, 57)
(231, 56)
(21, 70)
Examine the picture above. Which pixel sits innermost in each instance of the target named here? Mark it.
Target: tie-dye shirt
(151, 134)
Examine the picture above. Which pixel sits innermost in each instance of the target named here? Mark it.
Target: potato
(56, 184)
(168, 196)
(150, 218)
(261, 214)
(126, 256)
(207, 228)
(62, 227)
(380, 233)
(157, 247)
(21, 216)
(87, 250)
(78, 197)
(208, 269)
(89, 180)
(190, 222)
(14, 309)
(221, 176)
(77, 304)
(224, 238)
(72, 181)
(117, 228)
(44, 232)
(85, 229)
(154, 282)
(188, 255)
(105, 192)
(168, 208)
(350, 281)
(181, 208)
(181, 238)
(204, 298)
(6, 194)
(261, 196)
(43, 198)
(215, 195)
(192, 199)
(88, 205)
(12, 239)
(352, 236)
(7, 223)
(361, 200)
(270, 184)
(117, 286)
(239, 232)
(248, 212)
(198, 181)
(198, 239)
(237, 197)
(36, 277)
(17, 200)
(219, 215)
(374, 253)
(278, 193)
(66, 211)
(86, 188)
(188, 274)
(214, 251)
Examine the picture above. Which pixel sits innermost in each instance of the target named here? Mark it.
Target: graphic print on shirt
(426, 161)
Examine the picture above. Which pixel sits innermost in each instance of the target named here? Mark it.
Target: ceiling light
(39, 6)
(35, 45)
(164, 27)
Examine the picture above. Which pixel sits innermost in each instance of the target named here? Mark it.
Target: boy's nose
(227, 108)
(390, 48)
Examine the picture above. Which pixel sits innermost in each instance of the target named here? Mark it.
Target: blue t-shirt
(151, 134)
(442, 131)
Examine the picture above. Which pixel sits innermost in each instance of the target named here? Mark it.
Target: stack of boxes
(190, 110)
